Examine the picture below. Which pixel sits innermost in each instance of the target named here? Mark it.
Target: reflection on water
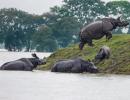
(42, 85)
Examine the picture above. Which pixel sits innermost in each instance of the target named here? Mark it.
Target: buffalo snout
(41, 62)
(93, 69)
(123, 24)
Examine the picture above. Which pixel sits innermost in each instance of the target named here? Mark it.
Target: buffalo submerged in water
(74, 66)
(25, 64)
(98, 29)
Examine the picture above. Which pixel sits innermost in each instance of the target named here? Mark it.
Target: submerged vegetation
(119, 61)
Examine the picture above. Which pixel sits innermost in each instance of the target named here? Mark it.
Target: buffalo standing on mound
(25, 64)
(98, 29)
(74, 66)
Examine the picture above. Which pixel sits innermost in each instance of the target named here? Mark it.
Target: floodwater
(45, 85)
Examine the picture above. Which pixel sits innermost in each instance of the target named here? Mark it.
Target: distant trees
(117, 8)
(16, 28)
(11, 28)
(55, 29)
(44, 40)
(84, 10)
(64, 30)
(20, 30)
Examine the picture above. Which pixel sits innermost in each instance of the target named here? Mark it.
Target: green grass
(118, 63)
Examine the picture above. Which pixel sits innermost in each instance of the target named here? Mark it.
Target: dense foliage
(58, 28)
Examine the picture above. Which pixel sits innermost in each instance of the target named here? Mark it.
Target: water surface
(44, 85)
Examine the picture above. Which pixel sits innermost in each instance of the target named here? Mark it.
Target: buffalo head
(120, 23)
(36, 60)
(104, 53)
(89, 66)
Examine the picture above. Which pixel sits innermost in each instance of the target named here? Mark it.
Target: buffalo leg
(108, 35)
(54, 69)
(89, 42)
(27, 69)
(81, 45)
(75, 70)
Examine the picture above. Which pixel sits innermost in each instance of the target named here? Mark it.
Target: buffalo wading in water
(25, 64)
(98, 29)
(74, 66)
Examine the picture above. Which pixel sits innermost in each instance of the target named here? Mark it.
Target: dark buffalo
(104, 53)
(25, 64)
(98, 29)
(74, 66)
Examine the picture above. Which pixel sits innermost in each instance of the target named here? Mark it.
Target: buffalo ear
(89, 60)
(119, 18)
(34, 55)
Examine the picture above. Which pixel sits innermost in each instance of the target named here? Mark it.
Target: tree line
(58, 28)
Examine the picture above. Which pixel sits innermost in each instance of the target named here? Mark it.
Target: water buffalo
(25, 64)
(98, 29)
(74, 66)
(104, 53)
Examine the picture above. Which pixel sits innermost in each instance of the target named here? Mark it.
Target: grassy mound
(118, 63)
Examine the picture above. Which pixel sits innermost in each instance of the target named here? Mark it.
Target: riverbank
(119, 62)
